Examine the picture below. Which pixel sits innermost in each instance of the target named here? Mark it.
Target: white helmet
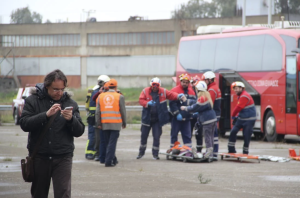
(237, 84)
(201, 86)
(155, 80)
(103, 78)
(208, 75)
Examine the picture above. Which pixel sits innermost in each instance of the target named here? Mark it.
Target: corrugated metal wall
(42, 66)
(163, 65)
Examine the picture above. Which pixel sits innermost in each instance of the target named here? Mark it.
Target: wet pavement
(159, 178)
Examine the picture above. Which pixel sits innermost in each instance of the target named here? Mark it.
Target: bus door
(229, 100)
(224, 123)
(291, 117)
(298, 90)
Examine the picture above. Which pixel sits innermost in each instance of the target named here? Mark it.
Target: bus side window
(291, 85)
(299, 85)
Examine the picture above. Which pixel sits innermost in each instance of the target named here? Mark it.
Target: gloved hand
(151, 103)
(180, 95)
(179, 117)
(234, 119)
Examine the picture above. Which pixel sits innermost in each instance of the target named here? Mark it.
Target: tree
(201, 8)
(288, 6)
(195, 9)
(24, 15)
(225, 8)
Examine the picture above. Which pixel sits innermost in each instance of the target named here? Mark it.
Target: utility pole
(88, 12)
(244, 13)
(270, 13)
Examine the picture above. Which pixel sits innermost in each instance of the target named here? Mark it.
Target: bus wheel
(270, 127)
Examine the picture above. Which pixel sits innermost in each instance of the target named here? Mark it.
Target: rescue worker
(98, 133)
(206, 116)
(181, 119)
(215, 94)
(155, 114)
(111, 117)
(92, 146)
(245, 110)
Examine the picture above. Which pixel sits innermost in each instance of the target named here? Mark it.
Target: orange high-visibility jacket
(109, 107)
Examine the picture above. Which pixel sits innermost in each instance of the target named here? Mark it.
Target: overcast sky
(105, 10)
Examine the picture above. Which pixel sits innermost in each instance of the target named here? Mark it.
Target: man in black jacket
(54, 155)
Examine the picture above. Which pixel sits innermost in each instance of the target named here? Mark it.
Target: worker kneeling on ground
(246, 112)
(206, 116)
(155, 114)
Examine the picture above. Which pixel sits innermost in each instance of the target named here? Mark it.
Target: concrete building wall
(82, 62)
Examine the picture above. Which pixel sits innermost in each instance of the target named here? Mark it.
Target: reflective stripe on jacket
(109, 107)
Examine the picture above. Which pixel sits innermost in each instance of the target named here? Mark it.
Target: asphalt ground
(159, 178)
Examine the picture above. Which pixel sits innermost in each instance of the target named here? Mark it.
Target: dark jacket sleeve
(75, 126)
(173, 106)
(123, 110)
(30, 121)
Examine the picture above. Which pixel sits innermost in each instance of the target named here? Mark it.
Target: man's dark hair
(55, 75)
(112, 87)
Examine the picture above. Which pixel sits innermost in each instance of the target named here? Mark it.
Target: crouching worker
(155, 114)
(206, 116)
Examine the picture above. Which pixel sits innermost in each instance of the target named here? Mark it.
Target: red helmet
(195, 79)
(185, 77)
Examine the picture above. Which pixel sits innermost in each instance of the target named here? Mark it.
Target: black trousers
(111, 137)
(57, 169)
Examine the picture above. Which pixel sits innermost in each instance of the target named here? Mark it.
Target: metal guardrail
(5, 107)
(81, 108)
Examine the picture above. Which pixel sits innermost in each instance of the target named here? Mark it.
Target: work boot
(97, 158)
(139, 156)
(90, 157)
(208, 153)
(155, 157)
(194, 151)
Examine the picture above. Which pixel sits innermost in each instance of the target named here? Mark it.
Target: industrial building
(132, 52)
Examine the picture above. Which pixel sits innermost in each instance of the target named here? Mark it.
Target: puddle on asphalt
(282, 178)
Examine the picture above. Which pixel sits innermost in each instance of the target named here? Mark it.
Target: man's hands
(179, 117)
(182, 97)
(151, 103)
(55, 108)
(234, 119)
(67, 114)
(183, 108)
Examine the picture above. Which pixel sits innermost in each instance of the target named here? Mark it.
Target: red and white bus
(266, 60)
